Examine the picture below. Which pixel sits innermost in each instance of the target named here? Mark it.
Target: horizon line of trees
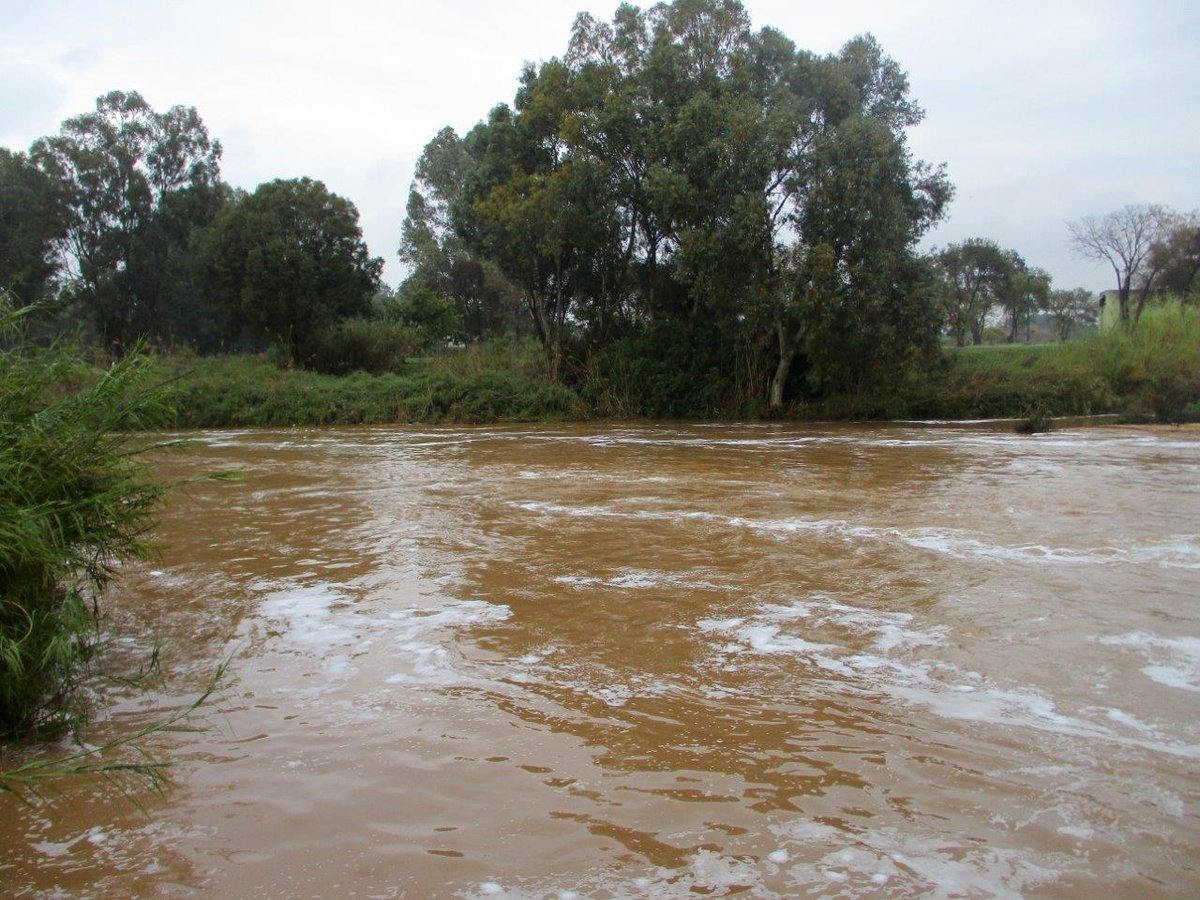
(703, 209)
(121, 224)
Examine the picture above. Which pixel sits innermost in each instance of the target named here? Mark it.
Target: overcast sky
(1043, 111)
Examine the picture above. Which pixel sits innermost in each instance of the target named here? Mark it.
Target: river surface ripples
(658, 661)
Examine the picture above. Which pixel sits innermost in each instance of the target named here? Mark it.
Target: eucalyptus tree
(1068, 309)
(1176, 257)
(137, 184)
(857, 204)
(871, 308)
(440, 260)
(676, 168)
(33, 219)
(1026, 291)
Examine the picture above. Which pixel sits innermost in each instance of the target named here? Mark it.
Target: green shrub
(74, 502)
(664, 373)
(1150, 373)
(362, 345)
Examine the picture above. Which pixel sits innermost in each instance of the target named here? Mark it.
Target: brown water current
(657, 661)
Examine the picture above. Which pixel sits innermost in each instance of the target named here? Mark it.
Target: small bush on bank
(1150, 373)
(1007, 381)
(363, 345)
(662, 374)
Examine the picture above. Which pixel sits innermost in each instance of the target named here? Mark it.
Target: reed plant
(1154, 366)
(123, 763)
(75, 501)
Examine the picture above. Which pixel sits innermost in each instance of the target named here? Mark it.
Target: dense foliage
(135, 184)
(677, 173)
(33, 219)
(690, 216)
(73, 503)
(1151, 373)
(285, 262)
(474, 387)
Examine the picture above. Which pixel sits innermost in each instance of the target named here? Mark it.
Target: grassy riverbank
(475, 386)
(1152, 374)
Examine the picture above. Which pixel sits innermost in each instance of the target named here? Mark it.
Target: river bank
(1146, 377)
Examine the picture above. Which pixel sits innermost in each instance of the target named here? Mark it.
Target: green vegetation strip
(223, 392)
(1149, 374)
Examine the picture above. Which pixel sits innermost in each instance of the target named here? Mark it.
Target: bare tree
(1124, 239)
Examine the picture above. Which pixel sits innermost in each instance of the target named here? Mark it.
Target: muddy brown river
(660, 661)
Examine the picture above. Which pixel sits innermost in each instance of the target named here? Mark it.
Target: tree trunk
(780, 378)
(787, 353)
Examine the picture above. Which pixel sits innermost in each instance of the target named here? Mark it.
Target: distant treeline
(687, 214)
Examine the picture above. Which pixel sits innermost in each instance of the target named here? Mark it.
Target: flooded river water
(658, 662)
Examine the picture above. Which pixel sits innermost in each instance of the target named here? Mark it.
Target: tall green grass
(74, 502)
(1149, 373)
(1155, 367)
(472, 386)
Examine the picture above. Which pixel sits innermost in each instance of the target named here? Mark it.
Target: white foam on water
(1180, 551)
(718, 872)
(1173, 662)
(639, 580)
(1123, 718)
(1078, 831)
(764, 631)
(545, 667)
(420, 636)
(319, 621)
(307, 616)
(828, 635)
(861, 860)
(1175, 551)
(768, 639)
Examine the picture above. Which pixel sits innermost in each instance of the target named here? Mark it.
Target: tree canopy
(1125, 239)
(33, 220)
(137, 183)
(285, 261)
(676, 172)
